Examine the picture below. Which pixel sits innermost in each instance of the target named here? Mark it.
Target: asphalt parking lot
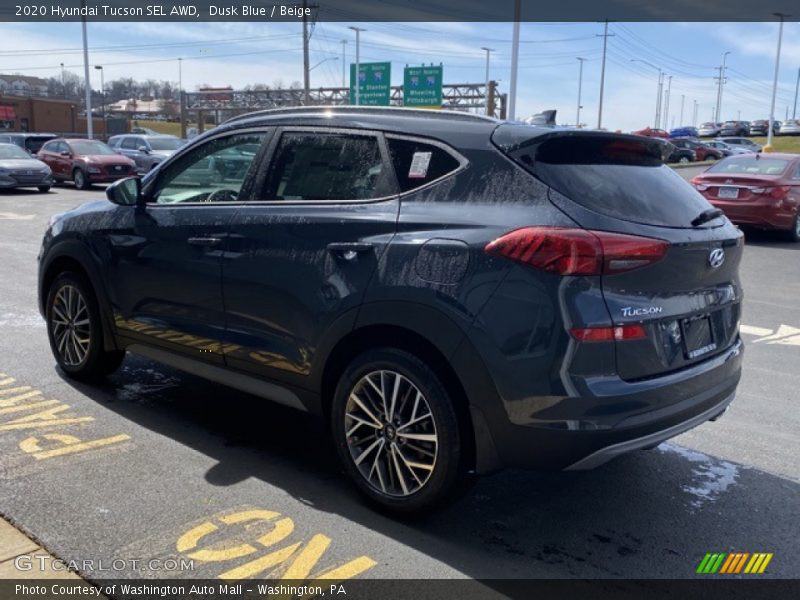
(163, 465)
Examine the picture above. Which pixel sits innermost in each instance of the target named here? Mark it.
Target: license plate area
(729, 193)
(698, 337)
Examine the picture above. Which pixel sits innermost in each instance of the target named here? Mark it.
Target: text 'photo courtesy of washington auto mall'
(399, 299)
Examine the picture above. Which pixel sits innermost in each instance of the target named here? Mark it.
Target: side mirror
(144, 149)
(126, 192)
(65, 153)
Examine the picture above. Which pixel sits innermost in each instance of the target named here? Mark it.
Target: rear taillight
(569, 251)
(617, 333)
(777, 192)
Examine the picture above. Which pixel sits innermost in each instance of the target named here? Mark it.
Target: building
(23, 85)
(48, 115)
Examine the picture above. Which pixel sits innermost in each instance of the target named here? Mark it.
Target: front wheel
(80, 179)
(794, 234)
(44, 188)
(396, 431)
(683, 159)
(75, 330)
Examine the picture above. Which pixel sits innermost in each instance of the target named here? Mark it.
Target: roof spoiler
(546, 118)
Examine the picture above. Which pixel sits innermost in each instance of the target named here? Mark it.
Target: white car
(790, 127)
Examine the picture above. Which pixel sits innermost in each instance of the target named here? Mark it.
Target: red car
(756, 189)
(85, 162)
(650, 132)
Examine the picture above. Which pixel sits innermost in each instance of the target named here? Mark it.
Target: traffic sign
(422, 87)
(375, 80)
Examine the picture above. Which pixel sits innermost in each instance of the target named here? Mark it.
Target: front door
(165, 268)
(303, 251)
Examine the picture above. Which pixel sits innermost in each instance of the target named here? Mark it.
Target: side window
(213, 172)
(796, 172)
(417, 163)
(328, 166)
(130, 143)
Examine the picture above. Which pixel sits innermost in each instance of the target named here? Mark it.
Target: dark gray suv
(452, 293)
(147, 151)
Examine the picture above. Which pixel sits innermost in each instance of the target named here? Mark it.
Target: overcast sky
(238, 54)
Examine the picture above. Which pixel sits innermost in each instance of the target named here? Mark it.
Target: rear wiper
(706, 216)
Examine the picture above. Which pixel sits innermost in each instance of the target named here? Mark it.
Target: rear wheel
(683, 159)
(794, 234)
(80, 179)
(44, 188)
(75, 330)
(396, 431)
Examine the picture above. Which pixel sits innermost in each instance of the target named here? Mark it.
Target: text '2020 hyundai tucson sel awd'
(452, 293)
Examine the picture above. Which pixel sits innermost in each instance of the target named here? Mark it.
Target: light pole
(658, 89)
(666, 102)
(344, 61)
(486, 91)
(357, 83)
(603, 76)
(580, 85)
(512, 88)
(683, 99)
(64, 81)
(180, 76)
(103, 96)
(721, 83)
(88, 84)
(324, 60)
(796, 86)
(781, 16)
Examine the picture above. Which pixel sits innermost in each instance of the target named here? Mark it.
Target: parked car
(365, 274)
(684, 132)
(761, 127)
(85, 162)
(20, 169)
(709, 129)
(650, 132)
(147, 151)
(702, 151)
(681, 154)
(756, 189)
(742, 142)
(726, 149)
(735, 128)
(30, 142)
(790, 127)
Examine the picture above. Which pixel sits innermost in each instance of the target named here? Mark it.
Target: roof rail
(372, 110)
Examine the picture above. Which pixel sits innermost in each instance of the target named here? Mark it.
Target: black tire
(44, 188)
(80, 179)
(441, 481)
(794, 234)
(96, 362)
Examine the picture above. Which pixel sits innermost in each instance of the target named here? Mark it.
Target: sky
(238, 54)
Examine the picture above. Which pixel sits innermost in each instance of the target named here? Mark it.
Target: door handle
(204, 241)
(349, 250)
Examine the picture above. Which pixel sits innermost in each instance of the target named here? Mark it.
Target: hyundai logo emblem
(716, 258)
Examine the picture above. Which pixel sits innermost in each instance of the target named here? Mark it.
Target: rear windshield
(752, 165)
(34, 144)
(618, 177)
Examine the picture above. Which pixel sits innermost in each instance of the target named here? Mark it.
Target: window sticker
(419, 165)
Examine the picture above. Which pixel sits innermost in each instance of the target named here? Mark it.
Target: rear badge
(716, 258)
(629, 311)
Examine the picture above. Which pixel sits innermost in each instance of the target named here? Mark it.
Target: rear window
(417, 163)
(34, 144)
(751, 165)
(615, 176)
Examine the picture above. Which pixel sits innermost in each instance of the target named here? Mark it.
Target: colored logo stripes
(733, 563)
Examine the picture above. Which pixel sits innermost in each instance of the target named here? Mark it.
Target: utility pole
(666, 102)
(580, 85)
(357, 83)
(781, 16)
(486, 91)
(512, 90)
(683, 98)
(720, 83)
(659, 98)
(64, 81)
(694, 113)
(180, 76)
(605, 37)
(344, 61)
(796, 85)
(658, 89)
(88, 84)
(103, 97)
(306, 70)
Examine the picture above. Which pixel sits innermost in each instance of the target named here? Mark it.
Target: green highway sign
(422, 87)
(375, 80)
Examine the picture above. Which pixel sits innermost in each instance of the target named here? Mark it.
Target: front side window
(328, 166)
(131, 143)
(213, 172)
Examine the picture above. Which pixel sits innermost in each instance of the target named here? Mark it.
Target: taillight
(776, 192)
(617, 333)
(699, 186)
(569, 251)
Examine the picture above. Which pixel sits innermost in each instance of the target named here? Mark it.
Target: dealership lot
(156, 465)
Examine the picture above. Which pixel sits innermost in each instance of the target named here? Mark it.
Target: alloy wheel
(70, 324)
(391, 433)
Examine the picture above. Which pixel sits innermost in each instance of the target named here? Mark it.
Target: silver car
(709, 129)
(790, 127)
(147, 151)
(20, 169)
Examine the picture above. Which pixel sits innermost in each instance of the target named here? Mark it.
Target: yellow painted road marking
(17, 399)
(71, 444)
(6, 411)
(23, 388)
(259, 565)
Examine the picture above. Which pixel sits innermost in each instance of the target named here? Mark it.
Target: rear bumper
(756, 214)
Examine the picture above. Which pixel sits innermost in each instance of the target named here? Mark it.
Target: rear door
(689, 301)
(303, 251)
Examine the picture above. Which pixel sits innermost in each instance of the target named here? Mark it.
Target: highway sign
(375, 82)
